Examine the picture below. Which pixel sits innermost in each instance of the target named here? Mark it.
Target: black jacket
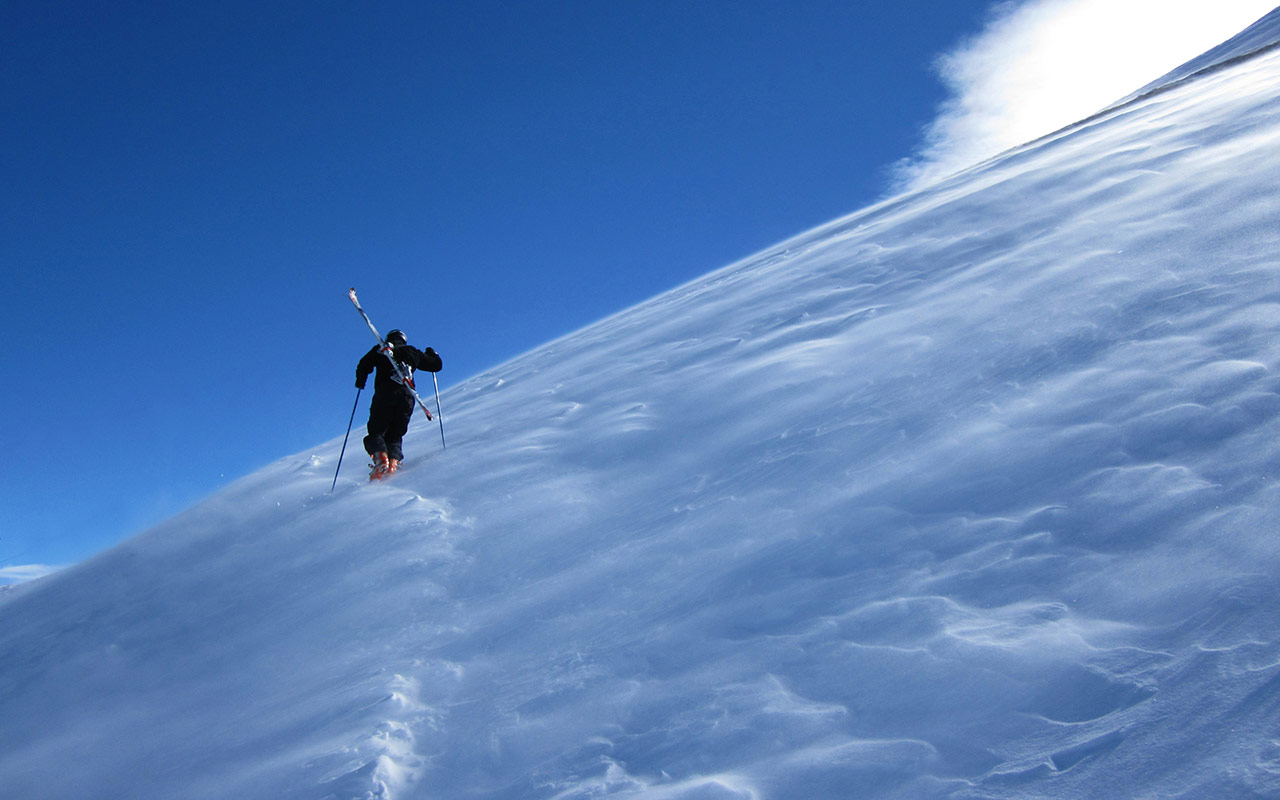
(409, 357)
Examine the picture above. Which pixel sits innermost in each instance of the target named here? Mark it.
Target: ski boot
(393, 466)
(381, 467)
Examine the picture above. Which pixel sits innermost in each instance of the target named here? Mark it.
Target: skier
(392, 405)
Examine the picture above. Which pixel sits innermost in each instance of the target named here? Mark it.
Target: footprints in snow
(390, 759)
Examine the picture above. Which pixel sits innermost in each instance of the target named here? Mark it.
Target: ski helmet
(397, 337)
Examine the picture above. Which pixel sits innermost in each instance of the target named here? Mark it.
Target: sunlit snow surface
(968, 495)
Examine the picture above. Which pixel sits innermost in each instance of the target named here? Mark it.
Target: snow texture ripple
(971, 494)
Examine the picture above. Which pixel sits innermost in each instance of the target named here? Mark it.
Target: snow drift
(971, 494)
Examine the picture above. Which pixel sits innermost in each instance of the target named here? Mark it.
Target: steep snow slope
(1254, 39)
(967, 495)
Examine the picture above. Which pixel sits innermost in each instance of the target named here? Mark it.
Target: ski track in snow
(968, 495)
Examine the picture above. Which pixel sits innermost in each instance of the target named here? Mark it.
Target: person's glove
(360, 385)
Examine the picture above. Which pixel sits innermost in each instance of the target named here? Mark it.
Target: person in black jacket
(392, 405)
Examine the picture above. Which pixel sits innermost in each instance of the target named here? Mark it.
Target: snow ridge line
(1203, 72)
(1105, 113)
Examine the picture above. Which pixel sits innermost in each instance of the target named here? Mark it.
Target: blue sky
(190, 189)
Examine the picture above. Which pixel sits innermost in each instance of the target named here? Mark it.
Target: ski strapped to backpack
(387, 350)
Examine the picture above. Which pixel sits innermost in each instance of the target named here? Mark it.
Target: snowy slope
(1253, 40)
(971, 494)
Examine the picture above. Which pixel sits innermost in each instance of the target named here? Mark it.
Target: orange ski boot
(381, 467)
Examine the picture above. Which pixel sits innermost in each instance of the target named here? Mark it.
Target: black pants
(389, 416)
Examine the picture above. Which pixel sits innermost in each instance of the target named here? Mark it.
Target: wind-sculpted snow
(971, 494)
(1258, 37)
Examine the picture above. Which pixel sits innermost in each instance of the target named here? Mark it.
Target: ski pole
(344, 439)
(439, 415)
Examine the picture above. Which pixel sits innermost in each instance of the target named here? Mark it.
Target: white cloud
(1042, 64)
(25, 572)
